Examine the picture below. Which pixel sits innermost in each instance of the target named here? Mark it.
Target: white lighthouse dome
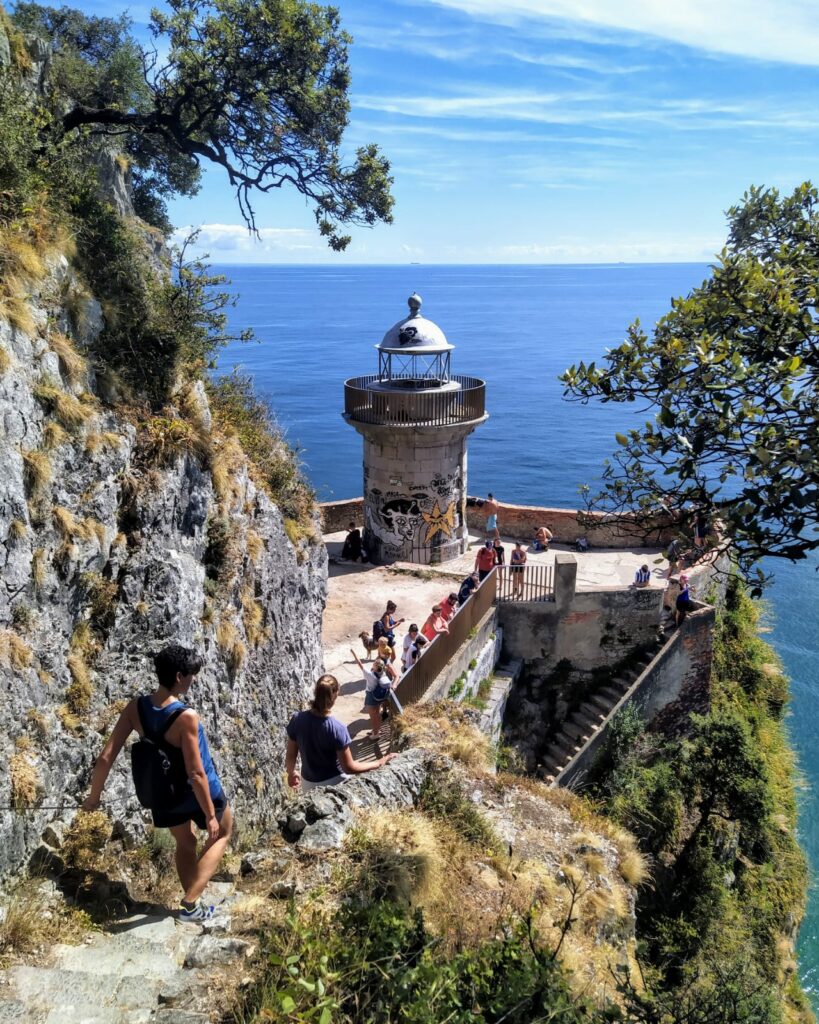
(415, 334)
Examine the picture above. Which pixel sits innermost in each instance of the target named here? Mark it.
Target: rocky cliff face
(113, 541)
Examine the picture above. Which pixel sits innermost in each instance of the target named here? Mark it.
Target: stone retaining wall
(602, 530)
(336, 515)
(675, 685)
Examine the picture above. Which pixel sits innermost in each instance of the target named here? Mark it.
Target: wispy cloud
(235, 238)
(596, 108)
(776, 30)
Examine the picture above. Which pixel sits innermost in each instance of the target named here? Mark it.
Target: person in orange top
(485, 560)
(449, 607)
(435, 624)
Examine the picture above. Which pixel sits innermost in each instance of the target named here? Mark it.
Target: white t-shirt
(407, 660)
(371, 680)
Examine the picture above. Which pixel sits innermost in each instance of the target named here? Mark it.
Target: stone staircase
(583, 723)
(145, 969)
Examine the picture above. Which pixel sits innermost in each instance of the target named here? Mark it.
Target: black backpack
(158, 768)
(378, 630)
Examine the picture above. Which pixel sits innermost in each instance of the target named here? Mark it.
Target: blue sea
(517, 327)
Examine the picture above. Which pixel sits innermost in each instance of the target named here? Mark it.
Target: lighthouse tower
(415, 417)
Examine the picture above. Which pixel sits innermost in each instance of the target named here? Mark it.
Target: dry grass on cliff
(14, 651)
(73, 366)
(79, 693)
(444, 727)
(37, 471)
(69, 411)
(15, 308)
(34, 920)
(24, 779)
(5, 361)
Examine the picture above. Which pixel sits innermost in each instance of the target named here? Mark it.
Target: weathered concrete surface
(145, 969)
(595, 629)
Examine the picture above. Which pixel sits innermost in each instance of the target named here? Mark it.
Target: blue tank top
(156, 717)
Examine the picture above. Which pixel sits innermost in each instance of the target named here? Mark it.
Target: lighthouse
(415, 417)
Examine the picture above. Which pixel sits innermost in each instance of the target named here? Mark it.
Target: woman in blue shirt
(323, 742)
(205, 804)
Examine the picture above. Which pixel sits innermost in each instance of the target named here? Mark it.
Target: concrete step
(587, 722)
(577, 731)
(63, 994)
(603, 704)
(611, 694)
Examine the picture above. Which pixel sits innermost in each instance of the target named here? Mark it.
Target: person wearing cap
(435, 624)
(642, 578)
(684, 604)
(485, 560)
(468, 587)
(448, 607)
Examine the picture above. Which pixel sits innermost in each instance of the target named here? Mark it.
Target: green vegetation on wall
(716, 811)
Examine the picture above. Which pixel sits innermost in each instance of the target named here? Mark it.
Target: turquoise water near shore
(517, 327)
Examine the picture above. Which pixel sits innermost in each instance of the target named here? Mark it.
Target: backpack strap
(159, 735)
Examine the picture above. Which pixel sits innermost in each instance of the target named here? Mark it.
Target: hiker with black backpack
(173, 774)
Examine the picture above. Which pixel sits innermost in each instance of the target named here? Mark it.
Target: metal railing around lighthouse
(404, 407)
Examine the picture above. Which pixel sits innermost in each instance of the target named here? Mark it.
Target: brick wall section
(603, 531)
(335, 515)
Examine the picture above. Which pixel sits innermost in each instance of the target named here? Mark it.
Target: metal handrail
(396, 407)
(416, 681)
(527, 583)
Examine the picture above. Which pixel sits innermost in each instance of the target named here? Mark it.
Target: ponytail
(325, 694)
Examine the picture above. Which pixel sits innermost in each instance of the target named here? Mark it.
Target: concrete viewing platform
(358, 593)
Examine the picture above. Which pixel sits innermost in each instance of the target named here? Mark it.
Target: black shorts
(482, 574)
(188, 810)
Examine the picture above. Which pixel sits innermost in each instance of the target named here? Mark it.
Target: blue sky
(544, 131)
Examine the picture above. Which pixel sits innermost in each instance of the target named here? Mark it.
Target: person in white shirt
(407, 659)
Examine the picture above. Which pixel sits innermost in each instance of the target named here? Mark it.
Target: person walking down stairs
(184, 793)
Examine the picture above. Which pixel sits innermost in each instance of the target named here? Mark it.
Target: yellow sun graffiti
(438, 521)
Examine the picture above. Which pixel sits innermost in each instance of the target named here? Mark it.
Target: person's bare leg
(209, 859)
(375, 720)
(185, 855)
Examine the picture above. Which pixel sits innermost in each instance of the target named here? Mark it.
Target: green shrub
(442, 798)
(379, 964)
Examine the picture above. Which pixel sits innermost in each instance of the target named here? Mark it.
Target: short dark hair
(175, 658)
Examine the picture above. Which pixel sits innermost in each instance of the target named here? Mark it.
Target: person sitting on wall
(449, 606)
(485, 560)
(352, 550)
(323, 743)
(543, 537)
(642, 578)
(684, 604)
(435, 624)
(467, 588)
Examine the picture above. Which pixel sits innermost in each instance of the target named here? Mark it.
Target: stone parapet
(600, 529)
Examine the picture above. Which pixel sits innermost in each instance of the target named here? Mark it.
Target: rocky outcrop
(108, 550)
(318, 820)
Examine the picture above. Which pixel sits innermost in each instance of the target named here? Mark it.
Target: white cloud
(595, 108)
(235, 238)
(779, 30)
(647, 250)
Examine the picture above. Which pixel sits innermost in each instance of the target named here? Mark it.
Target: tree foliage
(257, 87)
(731, 374)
